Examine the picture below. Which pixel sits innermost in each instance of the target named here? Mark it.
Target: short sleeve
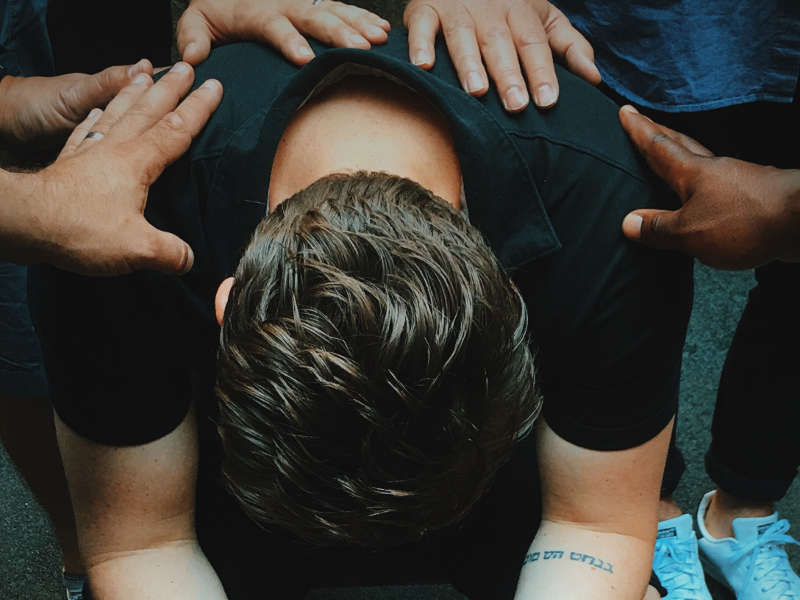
(608, 317)
(121, 352)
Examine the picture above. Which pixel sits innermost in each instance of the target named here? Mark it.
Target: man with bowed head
(374, 362)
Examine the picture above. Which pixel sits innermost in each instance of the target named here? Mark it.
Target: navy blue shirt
(692, 55)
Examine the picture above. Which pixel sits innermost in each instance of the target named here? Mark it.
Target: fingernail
(95, 113)
(180, 68)
(304, 52)
(515, 98)
(187, 266)
(474, 82)
(376, 31)
(630, 109)
(545, 95)
(358, 40)
(632, 226)
(385, 24)
(191, 47)
(139, 79)
(210, 84)
(421, 57)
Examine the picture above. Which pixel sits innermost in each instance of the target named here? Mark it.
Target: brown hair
(374, 370)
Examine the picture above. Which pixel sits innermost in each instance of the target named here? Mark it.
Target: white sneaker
(753, 564)
(676, 561)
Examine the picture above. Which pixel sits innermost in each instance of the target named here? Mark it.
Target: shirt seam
(576, 148)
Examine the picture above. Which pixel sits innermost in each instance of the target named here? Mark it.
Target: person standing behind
(724, 73)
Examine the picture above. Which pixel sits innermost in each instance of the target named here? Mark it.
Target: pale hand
(501, 34)
(44, 110)
(278, 23)
(90, 202)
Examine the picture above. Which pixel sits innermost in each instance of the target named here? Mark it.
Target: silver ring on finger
(95, 135)
(315, 2)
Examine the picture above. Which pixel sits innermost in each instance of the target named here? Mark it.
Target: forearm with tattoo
(579, 557)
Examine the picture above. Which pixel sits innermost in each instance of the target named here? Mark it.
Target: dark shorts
(21, 369)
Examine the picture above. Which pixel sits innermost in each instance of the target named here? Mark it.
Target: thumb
(668, 158)
(654, 228)
(194, 37)
(98, 89)
(162, 251)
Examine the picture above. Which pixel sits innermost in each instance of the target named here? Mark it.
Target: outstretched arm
(134, 510)
(599, 520)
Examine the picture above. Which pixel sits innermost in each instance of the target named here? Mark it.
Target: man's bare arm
(599, 520)
(134, 510)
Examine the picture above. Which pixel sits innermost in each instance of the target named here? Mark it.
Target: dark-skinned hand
(734, 214)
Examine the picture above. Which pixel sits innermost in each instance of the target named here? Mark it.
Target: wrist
(23, 215)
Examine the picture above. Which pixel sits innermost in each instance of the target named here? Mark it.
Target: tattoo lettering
(580, 557)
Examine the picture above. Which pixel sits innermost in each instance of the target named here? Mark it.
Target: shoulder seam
(572, 146)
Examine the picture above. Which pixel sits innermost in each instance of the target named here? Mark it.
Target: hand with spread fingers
(279, 23)
(84, 213)
(735, 214)
(501, 34)
(42, 111)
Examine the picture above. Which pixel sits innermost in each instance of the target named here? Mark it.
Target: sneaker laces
(677, 567)
(770, 564)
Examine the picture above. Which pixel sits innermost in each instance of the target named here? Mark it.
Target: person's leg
(760, 379)
(755, 449)
(26, 419)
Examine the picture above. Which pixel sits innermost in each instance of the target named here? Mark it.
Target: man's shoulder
(584, 121)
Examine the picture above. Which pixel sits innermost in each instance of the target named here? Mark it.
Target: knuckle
(539, 73)
(507, 75)
(272, 22)
(492, 34)
(660, 139)
(175, 122)
(530, 39)
(458, 26)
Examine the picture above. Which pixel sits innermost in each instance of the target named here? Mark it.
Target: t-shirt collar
(504, 202)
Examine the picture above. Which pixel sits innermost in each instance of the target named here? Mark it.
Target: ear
(221, 299)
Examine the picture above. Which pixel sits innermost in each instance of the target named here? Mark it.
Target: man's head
(374, 371)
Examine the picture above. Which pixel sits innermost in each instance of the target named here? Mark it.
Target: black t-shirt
(127, 356)
(548, 189)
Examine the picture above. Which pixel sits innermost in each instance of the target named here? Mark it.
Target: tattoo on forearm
(580, 557)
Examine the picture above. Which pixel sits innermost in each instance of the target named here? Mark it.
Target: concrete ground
(30, 558)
